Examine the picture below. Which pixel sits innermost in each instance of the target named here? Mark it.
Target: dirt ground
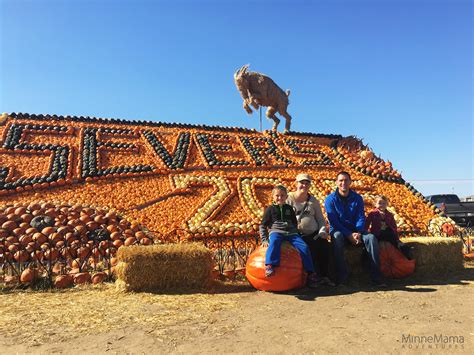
(411, 316)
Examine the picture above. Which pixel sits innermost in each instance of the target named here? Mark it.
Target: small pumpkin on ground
(64, 281)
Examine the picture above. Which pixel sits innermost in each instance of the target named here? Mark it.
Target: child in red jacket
(381, 223)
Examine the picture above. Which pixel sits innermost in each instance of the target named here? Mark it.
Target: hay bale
(436, 255)
(433, 256)
(354, 261)
(167, 267)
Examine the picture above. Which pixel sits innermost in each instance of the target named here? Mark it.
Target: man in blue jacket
(345, 211)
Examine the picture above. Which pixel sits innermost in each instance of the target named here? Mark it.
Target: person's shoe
(326, 281)
(379, 284)
(343, 281)
(313, 281)
(312, 284)
(269, 271)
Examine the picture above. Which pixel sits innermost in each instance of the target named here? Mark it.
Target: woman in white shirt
(312, 226)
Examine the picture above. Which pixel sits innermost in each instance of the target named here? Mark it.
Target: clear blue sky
(397, 73)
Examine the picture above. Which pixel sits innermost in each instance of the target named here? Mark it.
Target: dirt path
(352, 319)
(365, 321)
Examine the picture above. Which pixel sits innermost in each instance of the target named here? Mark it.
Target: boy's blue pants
(272, 256)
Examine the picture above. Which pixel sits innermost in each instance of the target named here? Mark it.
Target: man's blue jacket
(346, 217)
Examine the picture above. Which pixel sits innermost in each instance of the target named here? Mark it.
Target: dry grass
(35, 318)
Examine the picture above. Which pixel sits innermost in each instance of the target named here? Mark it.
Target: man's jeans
(371, 245)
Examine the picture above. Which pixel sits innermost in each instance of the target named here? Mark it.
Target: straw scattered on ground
(38, 317)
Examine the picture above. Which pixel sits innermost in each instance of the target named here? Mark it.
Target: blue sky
(397, 73)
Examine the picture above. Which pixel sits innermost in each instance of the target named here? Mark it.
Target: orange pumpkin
(289, 275)
(63, 281)
(448, 229)
(29, 275)
(10, 280)
(21, 256)
(99, 277)
(82, 278)
(230, 274)
(393, 263)
(469, 256)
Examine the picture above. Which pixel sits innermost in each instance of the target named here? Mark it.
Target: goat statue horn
(241, 71)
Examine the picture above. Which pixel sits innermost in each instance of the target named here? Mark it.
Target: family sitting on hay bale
(297, 218)
(318, 257)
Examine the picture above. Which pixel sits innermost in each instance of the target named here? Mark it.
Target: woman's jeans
(371, 246)
(272, 256)
(321, 254)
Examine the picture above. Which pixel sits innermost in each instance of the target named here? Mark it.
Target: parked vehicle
(461, 212)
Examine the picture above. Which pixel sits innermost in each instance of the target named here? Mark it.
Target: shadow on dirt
(361, 283)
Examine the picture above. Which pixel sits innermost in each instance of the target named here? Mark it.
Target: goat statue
(259, 90)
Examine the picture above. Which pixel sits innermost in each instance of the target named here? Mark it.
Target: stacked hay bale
(436, 255)
(168, 267)
(354, 259)
(433, 255)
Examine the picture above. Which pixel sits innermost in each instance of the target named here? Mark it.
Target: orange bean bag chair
(393, 263)
(289, 275)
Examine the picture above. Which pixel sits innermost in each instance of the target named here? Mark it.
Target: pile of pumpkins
(69, 244)
(113, 176)
(362, 159)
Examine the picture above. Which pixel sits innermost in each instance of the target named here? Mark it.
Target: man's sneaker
(269, 271)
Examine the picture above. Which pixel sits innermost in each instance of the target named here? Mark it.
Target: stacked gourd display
(180, 181)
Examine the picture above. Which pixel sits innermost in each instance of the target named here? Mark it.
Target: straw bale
(433, 255)
(436, 255)
(353, 255)
(167, 267)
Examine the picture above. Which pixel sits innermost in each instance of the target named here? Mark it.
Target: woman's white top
(310, 220)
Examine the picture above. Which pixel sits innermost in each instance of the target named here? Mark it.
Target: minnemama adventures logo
(435, 341)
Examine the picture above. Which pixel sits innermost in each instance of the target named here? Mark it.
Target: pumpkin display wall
(206, 182)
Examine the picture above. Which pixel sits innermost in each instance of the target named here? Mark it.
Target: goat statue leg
(247, 107)
(288, 121)
(254, 102)
(255, 99)
(271, 115)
